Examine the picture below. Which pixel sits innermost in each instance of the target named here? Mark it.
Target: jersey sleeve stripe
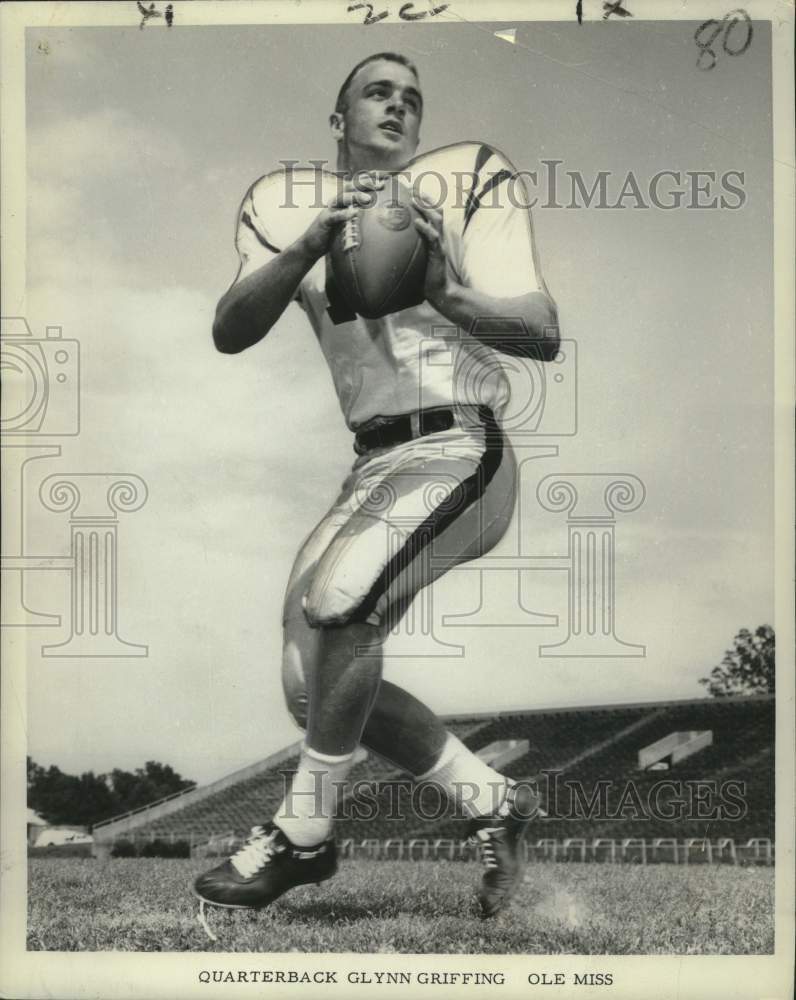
(473, 203)
(246, 220)
(481, 157)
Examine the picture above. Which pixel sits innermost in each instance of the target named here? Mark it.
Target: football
(378, 258)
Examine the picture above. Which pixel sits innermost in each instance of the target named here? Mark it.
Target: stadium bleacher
(583, 746)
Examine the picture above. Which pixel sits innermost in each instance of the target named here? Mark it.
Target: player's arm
(522, 325)
(269, 278)
(500, 297)
(248, 310)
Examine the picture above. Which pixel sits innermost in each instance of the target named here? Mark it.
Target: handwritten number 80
(707, 34)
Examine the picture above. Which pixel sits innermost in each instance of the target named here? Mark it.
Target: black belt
(391, 431)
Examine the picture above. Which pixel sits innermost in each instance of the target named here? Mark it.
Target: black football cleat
(499, 837)
(263, 869)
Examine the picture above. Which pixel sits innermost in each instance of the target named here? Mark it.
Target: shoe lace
(483, 839)
(256, 853)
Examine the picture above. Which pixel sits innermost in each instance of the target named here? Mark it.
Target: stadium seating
(582, 746)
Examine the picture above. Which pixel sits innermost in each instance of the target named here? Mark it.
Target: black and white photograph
(397, 442)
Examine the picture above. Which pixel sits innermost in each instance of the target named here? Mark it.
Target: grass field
(380, 906)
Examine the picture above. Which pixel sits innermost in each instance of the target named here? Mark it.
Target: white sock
(307, 810)
(473, 785)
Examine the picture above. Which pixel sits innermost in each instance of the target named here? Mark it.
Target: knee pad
(333, 607)
(345, 587)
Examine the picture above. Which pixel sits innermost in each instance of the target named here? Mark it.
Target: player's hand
(437, 284)
(354, 194)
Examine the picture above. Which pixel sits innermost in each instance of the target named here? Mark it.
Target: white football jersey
(414, 358)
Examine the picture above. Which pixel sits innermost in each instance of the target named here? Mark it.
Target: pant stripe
(443, 516)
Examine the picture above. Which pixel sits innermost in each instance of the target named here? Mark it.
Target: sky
(140, 146)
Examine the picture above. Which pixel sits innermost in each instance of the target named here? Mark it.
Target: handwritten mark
(370, 17)
(615, 8)
(44, 48)
(406, 12)
(708, 33)
(579, 11)
(147, 13)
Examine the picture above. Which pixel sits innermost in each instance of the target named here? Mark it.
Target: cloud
(94, 181)
(106, 143)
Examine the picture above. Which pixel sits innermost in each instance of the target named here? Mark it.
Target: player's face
(381, 124)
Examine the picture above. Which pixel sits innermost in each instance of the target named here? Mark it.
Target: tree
(148, 784)
(747, 668)
(90, 798)
(66, 798)
(34, 771)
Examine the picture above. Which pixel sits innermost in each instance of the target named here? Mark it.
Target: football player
(433, 484)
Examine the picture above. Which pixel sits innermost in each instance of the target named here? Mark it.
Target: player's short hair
(342, 97)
